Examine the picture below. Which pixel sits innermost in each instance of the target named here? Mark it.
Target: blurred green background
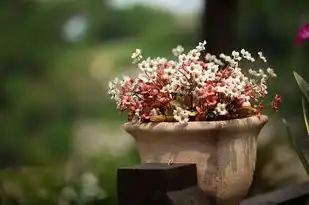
(58, 125)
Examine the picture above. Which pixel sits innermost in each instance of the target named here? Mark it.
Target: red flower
(277, 100)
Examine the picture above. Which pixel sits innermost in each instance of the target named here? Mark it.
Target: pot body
(223, 151)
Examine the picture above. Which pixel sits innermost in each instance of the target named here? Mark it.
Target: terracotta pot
(224, 151)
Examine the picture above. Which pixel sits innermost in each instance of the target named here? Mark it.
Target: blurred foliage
(94, 184)
(40, 75)
(304, 87)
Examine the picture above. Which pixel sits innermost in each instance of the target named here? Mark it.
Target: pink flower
(302, 35)
(208, 90)
(126, 100)
(212, 100)
(199, 110)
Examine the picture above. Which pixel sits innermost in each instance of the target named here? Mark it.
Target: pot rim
(241, 123)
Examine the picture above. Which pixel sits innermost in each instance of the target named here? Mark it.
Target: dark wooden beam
(159, 184)
(176, 184)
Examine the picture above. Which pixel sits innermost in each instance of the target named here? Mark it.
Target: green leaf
(296, 147)
(306, 114)
(303, 85)
(192, 113)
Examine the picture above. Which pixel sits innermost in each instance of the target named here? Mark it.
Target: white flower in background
(90, 188)
(137, 56)
(178, 50)
(221, 109)
(182, 116)
(69, 194)
(262, 57)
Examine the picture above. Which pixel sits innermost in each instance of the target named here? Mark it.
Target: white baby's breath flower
(247, 55)
(262, 57)
(252, 72)
(200, 80)
(182, 116)
(212, 67)
(246, 104)
(183, 58)
(218, 62)
(137, 56)
(222, 89)
(169, 72)
(228, 59)
(178, 50)
(221, 109)
(113, 89)
(271, 72)
(136, 53)
(160, 60)
(209, 57)
(194, 55)
(210, 76)
(236, 55)
(201, 46)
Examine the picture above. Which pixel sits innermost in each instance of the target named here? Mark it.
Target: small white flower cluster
(90, 188)
(213, 58)
(201, 46)
(205, 80)
(221, 109)
(262, 57)
(178, 50)
(137, 56)
(113, 90)
(181, 115)
(247, 55)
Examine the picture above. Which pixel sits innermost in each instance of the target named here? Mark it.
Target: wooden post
(219, 26)
(159, 184)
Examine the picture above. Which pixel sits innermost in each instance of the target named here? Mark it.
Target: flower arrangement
(193, 88)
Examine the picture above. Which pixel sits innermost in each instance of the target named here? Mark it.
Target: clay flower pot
(224, 151)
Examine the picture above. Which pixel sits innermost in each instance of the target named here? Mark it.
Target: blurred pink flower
(302, 34)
